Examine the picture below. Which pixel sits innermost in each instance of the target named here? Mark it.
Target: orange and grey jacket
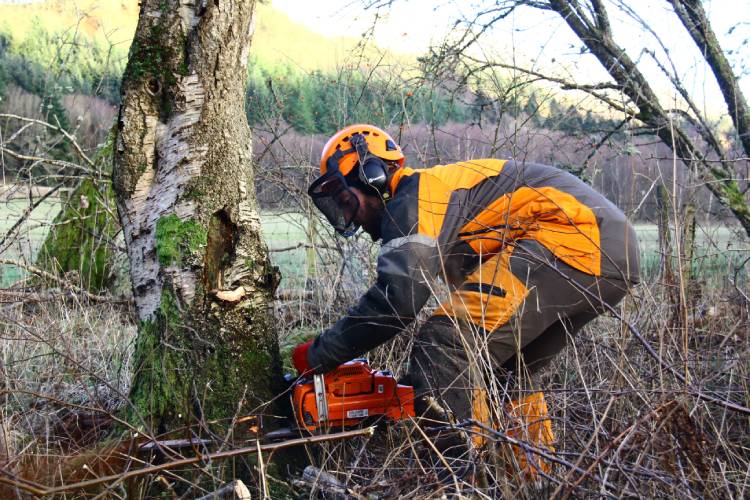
(444, 221)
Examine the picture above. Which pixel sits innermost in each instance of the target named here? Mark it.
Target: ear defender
(373, 171)
(374, 175)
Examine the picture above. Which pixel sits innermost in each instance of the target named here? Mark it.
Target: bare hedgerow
(66, 367)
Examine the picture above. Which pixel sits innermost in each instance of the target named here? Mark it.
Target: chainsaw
(349, 395)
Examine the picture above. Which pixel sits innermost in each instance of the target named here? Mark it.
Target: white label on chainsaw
(357, 413)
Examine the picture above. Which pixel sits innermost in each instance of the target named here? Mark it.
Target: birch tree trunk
(184, 185)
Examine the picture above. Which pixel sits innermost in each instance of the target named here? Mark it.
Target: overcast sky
(541, 39)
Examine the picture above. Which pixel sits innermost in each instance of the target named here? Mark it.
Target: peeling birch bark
(158, 192)
(184, 184)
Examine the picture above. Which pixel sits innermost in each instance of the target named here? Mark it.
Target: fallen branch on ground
(40, 490)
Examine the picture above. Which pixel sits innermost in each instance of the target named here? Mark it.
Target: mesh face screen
(338, 204)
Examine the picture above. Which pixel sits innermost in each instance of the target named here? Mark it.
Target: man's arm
(405, 268)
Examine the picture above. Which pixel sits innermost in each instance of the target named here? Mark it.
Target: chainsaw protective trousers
(509, 318)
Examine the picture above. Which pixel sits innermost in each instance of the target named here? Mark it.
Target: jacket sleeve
(405, 268)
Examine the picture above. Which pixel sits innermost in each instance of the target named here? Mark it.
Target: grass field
(28, 238)
(719, 251)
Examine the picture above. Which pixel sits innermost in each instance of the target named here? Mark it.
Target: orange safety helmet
(358, 155)
(379, 143)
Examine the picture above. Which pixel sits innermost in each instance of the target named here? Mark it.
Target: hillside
(54, 49)
(278, 39)
(100, 19)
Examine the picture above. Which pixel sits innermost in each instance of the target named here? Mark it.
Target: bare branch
(697, 120)
(221, 455)
(25, 215)
(635, 85)
(56, 128)
(48, 161)
(696, 22)
(48, 276)
(601, 17)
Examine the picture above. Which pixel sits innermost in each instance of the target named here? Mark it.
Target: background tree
(183, 179)
(685, 127)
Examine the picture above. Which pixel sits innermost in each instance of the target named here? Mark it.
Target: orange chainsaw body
(353, 392)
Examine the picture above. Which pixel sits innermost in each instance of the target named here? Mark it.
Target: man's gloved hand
(299, 357)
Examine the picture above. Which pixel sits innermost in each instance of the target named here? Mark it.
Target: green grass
(279, 230)
(284, 231)
(29, 237)
(720, 249)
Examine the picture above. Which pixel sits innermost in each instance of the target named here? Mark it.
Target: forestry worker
(530, 254)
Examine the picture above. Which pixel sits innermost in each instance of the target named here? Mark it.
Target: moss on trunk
(195, 366)
(82, 236)
(176, 239)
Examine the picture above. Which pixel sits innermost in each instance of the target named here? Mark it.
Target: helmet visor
(331, 194)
